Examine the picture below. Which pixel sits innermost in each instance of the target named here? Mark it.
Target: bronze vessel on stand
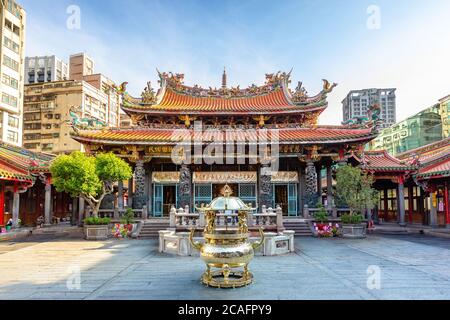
(227, 250)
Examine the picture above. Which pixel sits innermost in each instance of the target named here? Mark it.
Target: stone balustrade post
(334, 212)
(172, 217)
(144, 212)
(116, 214)
(201, 219)
(184, 245)
(280, 226)
(162, 244)
(186, 209)
(306, 212)
(269, 244)
(291, 235)
(250, 220)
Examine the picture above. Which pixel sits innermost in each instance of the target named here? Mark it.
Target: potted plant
(322, 227)
(96, 228)
(91, 178)
(128, 222)
(320, 222)
(354, 187)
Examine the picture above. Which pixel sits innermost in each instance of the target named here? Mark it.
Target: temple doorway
(164, 197)
(281, 197)
(169, 199)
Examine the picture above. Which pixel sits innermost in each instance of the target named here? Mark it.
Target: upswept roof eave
(376, 155)
(162, 136)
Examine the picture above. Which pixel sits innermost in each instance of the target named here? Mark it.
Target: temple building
(186, 142)
(414, 186)
(26, 190)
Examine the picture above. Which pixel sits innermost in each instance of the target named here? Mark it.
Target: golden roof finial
(224, 79)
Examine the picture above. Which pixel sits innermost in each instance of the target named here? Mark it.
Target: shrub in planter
(354, 187)
(96, 228)
(352, 218)
(97, 221)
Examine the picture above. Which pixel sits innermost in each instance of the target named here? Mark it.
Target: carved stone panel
(265, 187)
(184, 188)
(139, 199)
(311, 191)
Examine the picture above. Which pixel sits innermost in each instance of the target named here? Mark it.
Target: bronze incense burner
(227, 251)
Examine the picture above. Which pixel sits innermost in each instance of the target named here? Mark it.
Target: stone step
(301, 228)
(151, 229)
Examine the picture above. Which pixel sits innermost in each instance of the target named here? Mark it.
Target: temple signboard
(225, 177)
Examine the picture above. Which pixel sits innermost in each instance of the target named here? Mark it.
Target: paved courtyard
(411, 267)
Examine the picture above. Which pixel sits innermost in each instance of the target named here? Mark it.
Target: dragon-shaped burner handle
(197, 245)
(256, 245)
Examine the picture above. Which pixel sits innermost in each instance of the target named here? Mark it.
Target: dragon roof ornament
(372, 120)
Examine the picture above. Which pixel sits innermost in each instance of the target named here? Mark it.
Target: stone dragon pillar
(265, 186)
(185, 187)
(139, 198)
(311, 186)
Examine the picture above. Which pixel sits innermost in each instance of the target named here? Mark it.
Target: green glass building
(414, 132)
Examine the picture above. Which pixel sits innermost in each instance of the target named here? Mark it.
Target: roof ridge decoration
(372, 120)
(273, 83)
(78, 122)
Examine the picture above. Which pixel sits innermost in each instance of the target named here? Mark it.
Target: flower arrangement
(121, 231)
(329, 230)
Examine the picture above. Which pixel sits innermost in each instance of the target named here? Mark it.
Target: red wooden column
(410, 203)
(446, 204)
(2, 203)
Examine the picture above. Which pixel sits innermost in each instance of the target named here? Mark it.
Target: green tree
(354, 187)
(89, 177)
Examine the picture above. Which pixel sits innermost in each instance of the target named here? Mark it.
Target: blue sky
(317, 38)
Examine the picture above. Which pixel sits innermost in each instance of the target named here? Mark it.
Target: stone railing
(268, 219)
(308, 213)
(117, 214)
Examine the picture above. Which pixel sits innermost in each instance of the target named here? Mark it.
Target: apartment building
(48, 104)
(46, 113)
(45, 69)
(357, 104)
(12, 50)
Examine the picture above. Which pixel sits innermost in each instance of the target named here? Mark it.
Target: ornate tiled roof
(437, 170)
(8, 172)
(272, 98)
(428, 153)
(382, 161)
(19, 164)
(320, 134)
